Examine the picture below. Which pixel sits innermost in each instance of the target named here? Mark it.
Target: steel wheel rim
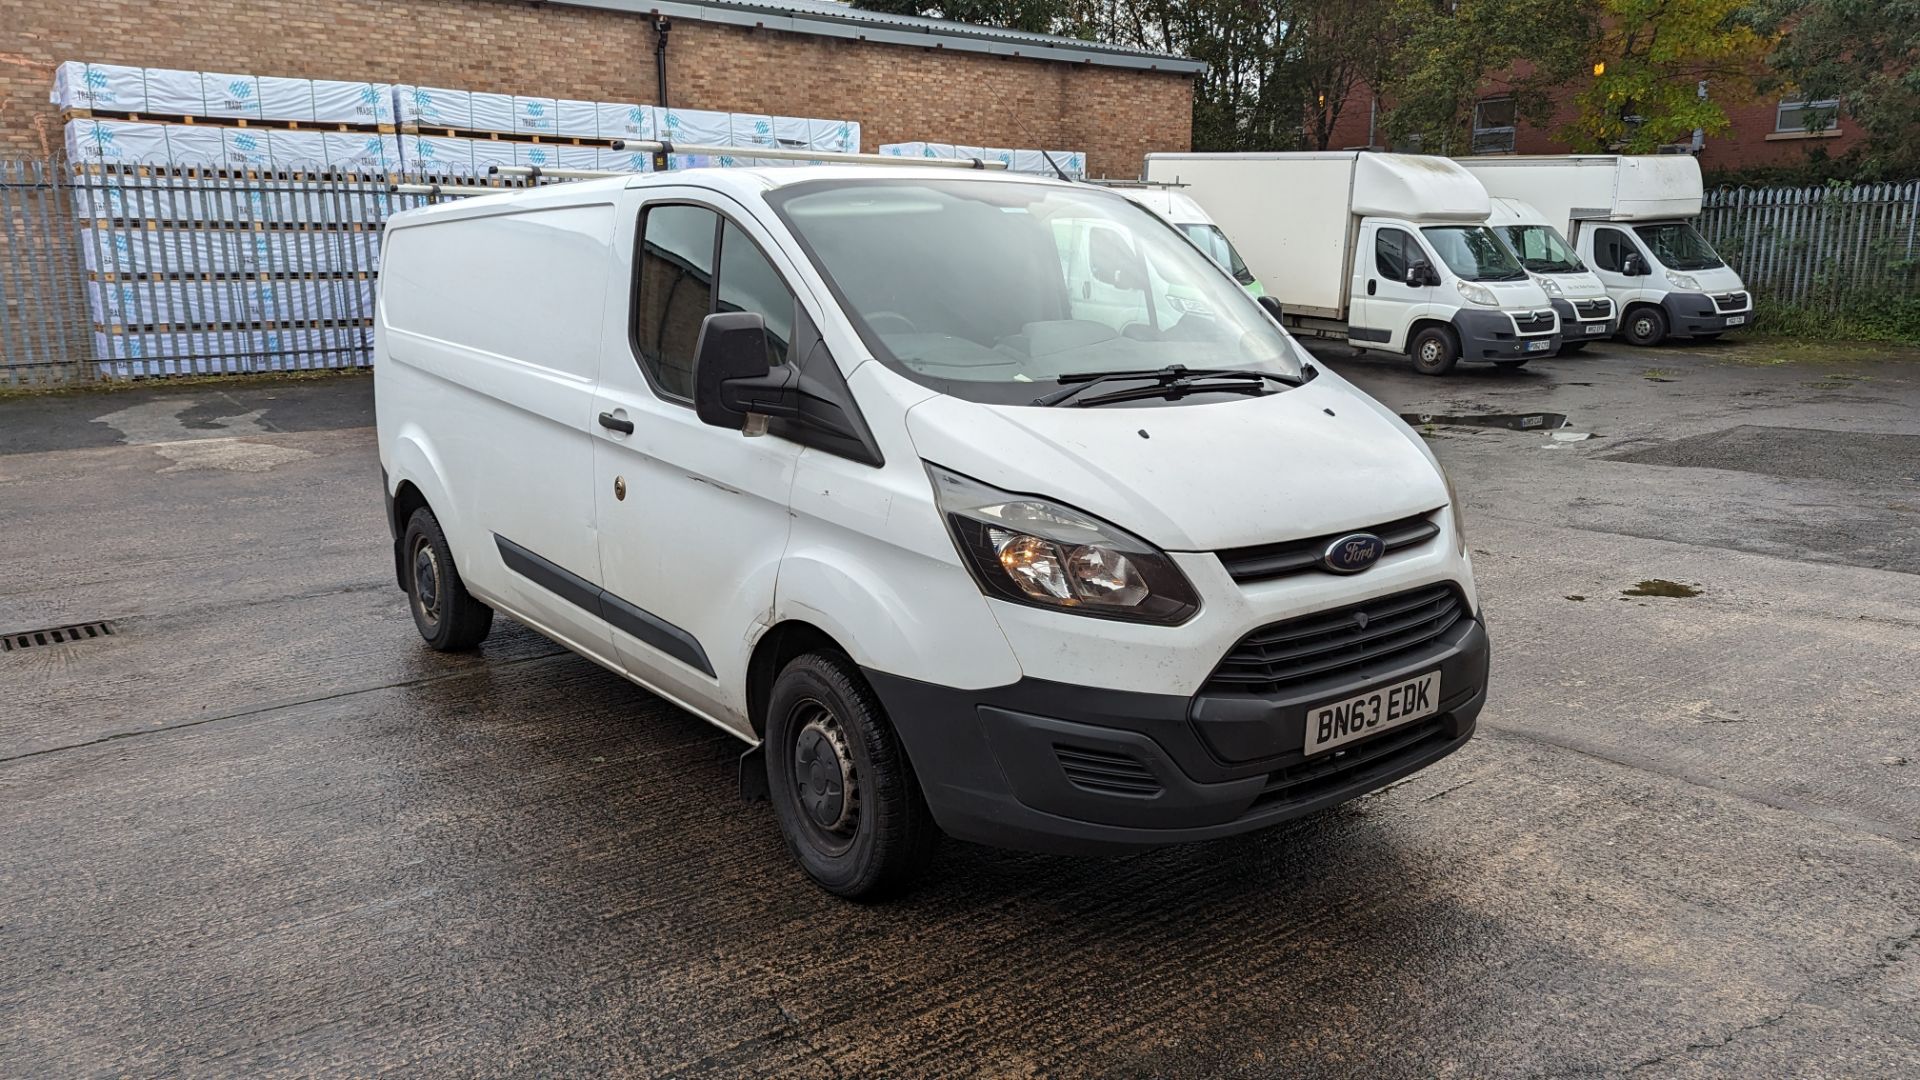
(1430, 351)
(427, 588)
(826, 783)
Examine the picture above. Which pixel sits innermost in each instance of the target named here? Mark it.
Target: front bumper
(1573, 328)
(1049, 766)
(1490, 335)
(1692, 314)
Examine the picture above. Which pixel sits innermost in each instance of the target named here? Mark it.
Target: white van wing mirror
(1420, 273)
(1633, 265)
(734, 384)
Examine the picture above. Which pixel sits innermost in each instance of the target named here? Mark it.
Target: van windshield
(1210, 239)
(1541, 250)
(991, 290)
(1473, 253)
(1678, 246)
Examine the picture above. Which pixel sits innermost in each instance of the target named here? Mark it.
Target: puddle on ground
(1537, 421)
(1661, 587)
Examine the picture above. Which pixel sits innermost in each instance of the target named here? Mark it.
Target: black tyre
(448, 616)
(1434, 350)
(841, 786)
(1567, 347)
(1645, 325)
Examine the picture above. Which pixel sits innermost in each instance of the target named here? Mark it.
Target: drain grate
(59, 635)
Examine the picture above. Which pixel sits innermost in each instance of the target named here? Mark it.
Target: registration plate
(1596, 328)
(1539, 346)
(1339, 722)
(1736, 320)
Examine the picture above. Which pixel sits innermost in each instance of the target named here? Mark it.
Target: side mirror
(734, 385)
(1272, 305)
(1633, 265)
(1420, 273)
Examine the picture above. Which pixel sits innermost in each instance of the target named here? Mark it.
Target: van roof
(736, 181)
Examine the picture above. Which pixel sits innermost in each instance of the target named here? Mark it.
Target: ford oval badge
(1353, 553)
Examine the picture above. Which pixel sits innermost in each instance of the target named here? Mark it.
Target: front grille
(1733, 301)
(1592, 309)
(1104, 772)
(1263, 562)
(1340, 768)
(1330, 643)
(1534, 322)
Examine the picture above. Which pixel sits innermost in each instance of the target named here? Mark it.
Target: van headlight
(1683, 281)
(1035, 551)
(1547, 285)
(1477, 294)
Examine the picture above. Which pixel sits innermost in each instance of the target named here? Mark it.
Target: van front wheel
(842, 788)
(1646, 325)
(1435, 350)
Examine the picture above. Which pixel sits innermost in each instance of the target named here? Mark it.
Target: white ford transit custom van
(957, 532)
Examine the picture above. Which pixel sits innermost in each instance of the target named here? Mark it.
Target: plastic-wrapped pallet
(168, 303)
(488, 153)
(116, 142)
(577, 119)
(299, 149)
(635, 161)
(111, 87)
(361, 150)
(174, 92)
(232, 96)
(536, 155)
(625, 121)
(535, 115)
(247, 148)
(434, 107)
(492, 112)
(696, 127)
(437, 154)
(352, 102)
(569, 156)
(196, 145)
(286, 99)
(1071, 162)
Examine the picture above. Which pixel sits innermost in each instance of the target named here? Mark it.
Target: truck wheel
(842, 788)
(448, 616)
(1646, 326)
(1434, 350)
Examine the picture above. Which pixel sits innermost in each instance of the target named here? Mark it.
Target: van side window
(1390, 247)
(676, 292)
(748, 282)
(1610, 249)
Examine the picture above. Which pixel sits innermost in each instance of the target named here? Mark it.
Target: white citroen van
(1586, 311)
(844, 461)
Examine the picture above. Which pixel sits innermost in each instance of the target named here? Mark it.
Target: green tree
(1865, 54)
(1448, 54)
(1649, 60)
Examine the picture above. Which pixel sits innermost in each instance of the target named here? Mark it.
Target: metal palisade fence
(1818, 246)
(128, 271)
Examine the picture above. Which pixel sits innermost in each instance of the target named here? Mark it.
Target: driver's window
(1610, 250)
(1391, 254)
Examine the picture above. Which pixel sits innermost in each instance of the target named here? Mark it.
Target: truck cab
(1414, 277)
(1586, 312)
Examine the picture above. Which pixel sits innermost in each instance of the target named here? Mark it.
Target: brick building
(902, 78)
(1765, 131)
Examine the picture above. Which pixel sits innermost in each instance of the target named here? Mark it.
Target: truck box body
(1595, 187)
(1294, 217)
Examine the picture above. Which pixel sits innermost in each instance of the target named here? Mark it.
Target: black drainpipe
(660, 29)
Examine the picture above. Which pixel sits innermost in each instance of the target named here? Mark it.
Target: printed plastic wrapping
(634, 161)
(112, 87)
(286, 99)
(248, 148)
(174, 92)
(352, 102)
(362, 150)
(835, 136)
(196, 145)
(569, 156)
(1072, 162)
(437, 154)
(434, 106)
(299, 149)
(490, 152)
(170, 302)
(230, 95)
(696, 127)
(577, 119)
(535, 115)
(492, 112)
(625, 121)
(116, 142)
(536, 155)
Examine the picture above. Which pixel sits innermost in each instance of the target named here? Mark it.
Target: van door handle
(1372, 285)
(608, 420)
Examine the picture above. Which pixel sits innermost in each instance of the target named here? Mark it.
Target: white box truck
(1587, 313)
(1630, 218)
(1390, 252)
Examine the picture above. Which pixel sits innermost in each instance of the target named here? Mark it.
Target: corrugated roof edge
(826, 19)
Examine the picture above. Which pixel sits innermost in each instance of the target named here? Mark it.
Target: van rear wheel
(1434, 350)
(842, 788)
(447, 616)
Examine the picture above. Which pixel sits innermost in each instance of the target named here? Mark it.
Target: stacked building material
(1071, 162)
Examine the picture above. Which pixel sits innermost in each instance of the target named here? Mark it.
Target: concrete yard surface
(261, 829)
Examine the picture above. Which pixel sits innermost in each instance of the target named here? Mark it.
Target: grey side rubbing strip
(584, 594)
(1362, 333)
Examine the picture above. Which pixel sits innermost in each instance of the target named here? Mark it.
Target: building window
(1798, 116)
(1493, 126)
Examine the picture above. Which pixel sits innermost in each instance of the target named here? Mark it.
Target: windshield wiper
(1172, 375)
